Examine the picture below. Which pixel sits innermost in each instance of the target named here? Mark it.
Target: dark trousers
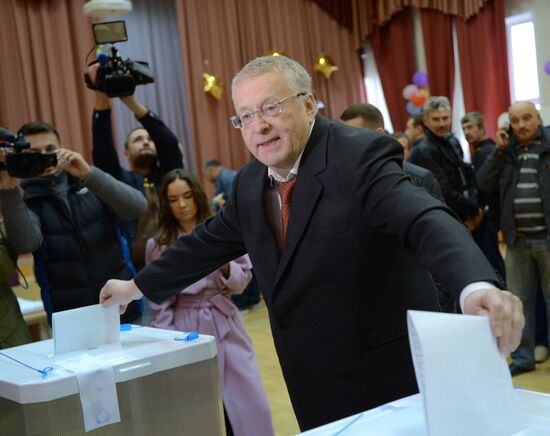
(486, 238)
(541, 329)
(249, 297)
(228, 427)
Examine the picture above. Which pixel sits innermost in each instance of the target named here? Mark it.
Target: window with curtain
(373, 85)
(522, 58)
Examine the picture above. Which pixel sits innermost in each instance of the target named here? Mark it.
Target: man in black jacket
(152, 150)
(486, 232)
(441, 153)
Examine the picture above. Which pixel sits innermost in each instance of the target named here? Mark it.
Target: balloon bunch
(416, 93)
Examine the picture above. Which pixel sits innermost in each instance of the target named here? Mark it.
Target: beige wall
(541, 17)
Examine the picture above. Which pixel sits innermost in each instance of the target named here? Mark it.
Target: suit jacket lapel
(306, 192)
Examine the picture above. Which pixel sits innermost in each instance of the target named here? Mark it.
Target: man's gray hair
(295, 74)
(436, 103)
(475, 117)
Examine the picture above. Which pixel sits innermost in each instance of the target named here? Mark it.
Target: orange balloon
(418, 99)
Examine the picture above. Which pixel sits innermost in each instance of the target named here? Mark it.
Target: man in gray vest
(67, 218)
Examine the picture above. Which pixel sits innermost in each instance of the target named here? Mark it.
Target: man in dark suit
(350, 208)
(366, 115)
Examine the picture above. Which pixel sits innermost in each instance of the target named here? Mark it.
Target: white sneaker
(541, 353)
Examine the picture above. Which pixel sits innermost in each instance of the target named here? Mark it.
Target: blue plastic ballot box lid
(405, 417)
(142, 351)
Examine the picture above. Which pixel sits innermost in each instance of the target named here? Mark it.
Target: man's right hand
(502, 137)
(119, 292)
(73, 163)
(6, 181)
(102, 100)
(505, 312)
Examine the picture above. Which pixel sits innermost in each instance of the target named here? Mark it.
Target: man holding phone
(520, 168)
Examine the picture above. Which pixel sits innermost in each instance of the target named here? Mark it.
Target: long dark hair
(168, 226)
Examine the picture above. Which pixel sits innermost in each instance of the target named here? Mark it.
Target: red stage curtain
(437, 29)
(369, 14)
(484, 63)
(394, 53)
(44, 46)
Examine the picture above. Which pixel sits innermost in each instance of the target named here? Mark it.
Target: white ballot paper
(464, 380)
(85, 328)
(97, 388)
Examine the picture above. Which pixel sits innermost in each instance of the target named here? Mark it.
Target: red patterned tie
(285, 191)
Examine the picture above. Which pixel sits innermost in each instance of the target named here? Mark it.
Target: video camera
(117, 77)
(20, 163)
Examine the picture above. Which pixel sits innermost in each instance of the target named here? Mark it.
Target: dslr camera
(116, 77)
(20, 163)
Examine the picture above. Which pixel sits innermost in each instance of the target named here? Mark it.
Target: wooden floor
(257, 323)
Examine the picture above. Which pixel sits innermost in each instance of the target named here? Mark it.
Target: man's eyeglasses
(270, 109)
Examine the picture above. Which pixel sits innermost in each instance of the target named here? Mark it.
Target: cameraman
(152, 151)
(67, 218)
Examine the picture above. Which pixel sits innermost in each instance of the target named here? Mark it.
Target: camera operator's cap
(107, 8)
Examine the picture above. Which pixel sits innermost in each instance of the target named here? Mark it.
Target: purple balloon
(547, 67)
(412, 109)
(420, 78)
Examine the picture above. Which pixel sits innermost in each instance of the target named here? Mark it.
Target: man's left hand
(73, 163)
(219, 200)
(505, 312)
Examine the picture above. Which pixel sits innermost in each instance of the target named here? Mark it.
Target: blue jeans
(527, 267)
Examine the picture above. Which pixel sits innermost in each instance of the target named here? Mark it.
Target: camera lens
(24, 163)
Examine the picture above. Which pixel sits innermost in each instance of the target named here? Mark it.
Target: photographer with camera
(152, 151)
(67, 217)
